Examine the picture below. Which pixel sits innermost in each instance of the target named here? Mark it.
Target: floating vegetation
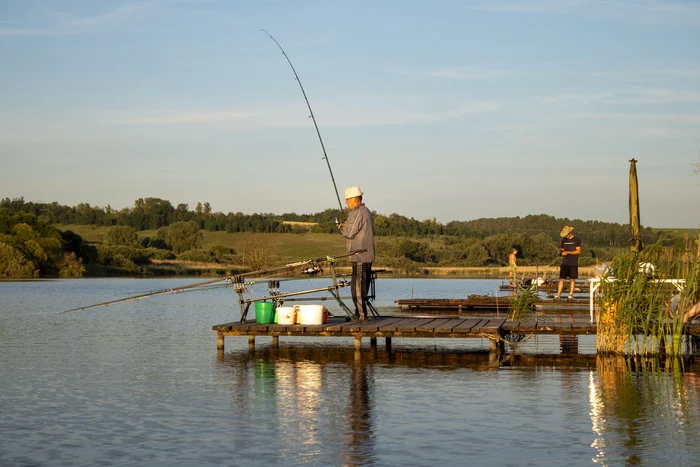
(642, 308)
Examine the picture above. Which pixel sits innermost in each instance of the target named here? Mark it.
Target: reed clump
(522, 303)
(640, 311)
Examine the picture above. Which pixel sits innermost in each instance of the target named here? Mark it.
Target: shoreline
(174, 268)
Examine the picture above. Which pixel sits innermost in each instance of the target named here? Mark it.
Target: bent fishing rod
(234, 278)
(313, 118)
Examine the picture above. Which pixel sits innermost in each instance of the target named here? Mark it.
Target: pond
(141, 383)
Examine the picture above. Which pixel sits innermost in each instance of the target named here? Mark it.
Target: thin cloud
(645, 12)
(60, 23)
(677, 118)
(576, 100)
(241, 117)
(458, 73)
(287, 115)
(664, 132)
(642, 96)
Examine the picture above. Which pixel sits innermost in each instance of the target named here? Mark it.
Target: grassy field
(288, 248)
(294, 246)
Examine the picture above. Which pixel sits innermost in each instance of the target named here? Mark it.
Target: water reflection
(307, 398)
(358, 438)
(568, 343)
(644, 411)
(318, 397)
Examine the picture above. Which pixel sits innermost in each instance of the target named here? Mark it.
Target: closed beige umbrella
(635, 225)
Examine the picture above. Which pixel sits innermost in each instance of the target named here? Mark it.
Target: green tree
(14, 264)
(477, 255)
(183, 236)
(257, 252)
(123, 235)
(71, 266)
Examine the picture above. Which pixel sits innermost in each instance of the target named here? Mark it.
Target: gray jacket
(359, 231)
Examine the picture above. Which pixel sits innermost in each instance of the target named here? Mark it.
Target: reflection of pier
(497, 330)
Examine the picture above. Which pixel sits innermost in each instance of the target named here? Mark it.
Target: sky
(446, 110)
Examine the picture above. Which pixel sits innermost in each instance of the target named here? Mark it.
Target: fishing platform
(481, 302)
(497, 330)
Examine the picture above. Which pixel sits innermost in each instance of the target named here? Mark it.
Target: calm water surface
(141, 383)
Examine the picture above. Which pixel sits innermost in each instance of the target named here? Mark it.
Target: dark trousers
(360, 287)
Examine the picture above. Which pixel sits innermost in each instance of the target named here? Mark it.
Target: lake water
(141, 383)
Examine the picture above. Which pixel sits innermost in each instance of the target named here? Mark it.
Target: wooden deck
(495, 329)
(482, 302)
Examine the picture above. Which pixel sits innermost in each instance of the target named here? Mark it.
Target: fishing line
(323, 147)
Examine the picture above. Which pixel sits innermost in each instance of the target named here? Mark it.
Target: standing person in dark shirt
(359, 231)
(570, 250)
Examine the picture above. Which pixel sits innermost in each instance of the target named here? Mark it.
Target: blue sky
(453, 110)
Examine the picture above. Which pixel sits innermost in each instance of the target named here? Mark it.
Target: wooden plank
(368, 325)
(584, 328)
(373, 325)
(519, 327)
(561, 328)
(447, 325)
(429, 326)
(491, 326)
(545, 325)
(467, 325)
(527, 326)
(225, 326)
(312, 328)
(346, 325)
(254, 327)
(409, 325)
(403, 325)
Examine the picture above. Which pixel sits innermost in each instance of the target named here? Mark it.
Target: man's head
(353, 196)
(566, 231)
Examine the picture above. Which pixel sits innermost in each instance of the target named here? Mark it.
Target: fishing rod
(237, 279)
(150, 294)
(323, 147)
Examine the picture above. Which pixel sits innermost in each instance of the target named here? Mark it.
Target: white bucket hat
(352, 192)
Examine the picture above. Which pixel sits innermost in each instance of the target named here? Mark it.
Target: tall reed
(522, 303)
(638, 312)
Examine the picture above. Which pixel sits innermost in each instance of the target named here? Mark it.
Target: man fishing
(359, 231)
(569, 250)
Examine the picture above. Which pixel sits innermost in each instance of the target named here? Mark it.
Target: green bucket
(264, 312)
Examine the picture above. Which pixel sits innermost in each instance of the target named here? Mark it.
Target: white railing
(596, 281)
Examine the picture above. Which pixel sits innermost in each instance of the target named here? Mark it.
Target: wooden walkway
(482, 302)
(495, 329)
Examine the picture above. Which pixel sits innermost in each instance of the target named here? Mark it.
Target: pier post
(373, 343)
(251, 341)
(358, 342)
(276, 341)
(496, 345)
(219, 340)
(388, 344)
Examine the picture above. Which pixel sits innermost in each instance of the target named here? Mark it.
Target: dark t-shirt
(570, 244)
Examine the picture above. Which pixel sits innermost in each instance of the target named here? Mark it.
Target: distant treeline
(32, 245)
(154, 213)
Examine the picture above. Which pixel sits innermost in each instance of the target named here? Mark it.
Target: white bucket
(311, 314)
(286, 315)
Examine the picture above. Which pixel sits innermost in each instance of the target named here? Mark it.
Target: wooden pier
(495, 329)
(482, 302)
(551, 288)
